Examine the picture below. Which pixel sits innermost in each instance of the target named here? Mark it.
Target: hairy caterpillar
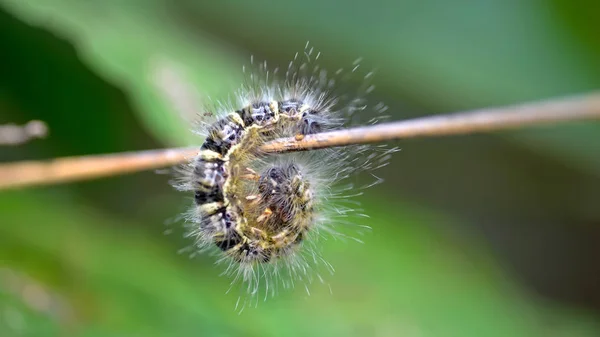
(263, 214)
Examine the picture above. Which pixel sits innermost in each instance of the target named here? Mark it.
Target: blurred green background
(487, 235)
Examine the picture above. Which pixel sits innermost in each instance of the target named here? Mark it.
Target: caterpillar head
(310, 122)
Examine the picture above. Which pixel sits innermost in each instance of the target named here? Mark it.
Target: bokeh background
(486, 235)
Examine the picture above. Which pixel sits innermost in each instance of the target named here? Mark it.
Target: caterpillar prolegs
(262, 214)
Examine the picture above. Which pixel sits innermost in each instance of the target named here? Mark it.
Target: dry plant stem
(484, 120)
(60, 170)
(584, 107)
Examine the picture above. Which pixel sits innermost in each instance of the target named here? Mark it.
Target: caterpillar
(262, 215)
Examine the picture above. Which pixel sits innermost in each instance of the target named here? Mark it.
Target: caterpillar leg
(250, 175)
(265, 215)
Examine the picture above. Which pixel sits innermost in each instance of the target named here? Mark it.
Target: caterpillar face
(311, 123)
(264, 213)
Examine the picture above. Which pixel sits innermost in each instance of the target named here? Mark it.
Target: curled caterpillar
(264, 214)
(227, 216)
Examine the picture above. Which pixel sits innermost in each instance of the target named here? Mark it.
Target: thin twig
(551, 111)
(583, 107)
(60, 170)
